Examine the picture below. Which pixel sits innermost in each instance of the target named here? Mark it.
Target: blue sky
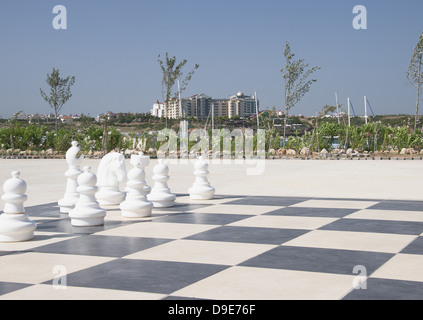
(111, 48)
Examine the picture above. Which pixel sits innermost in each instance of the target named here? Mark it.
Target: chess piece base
(110, 196)
(206, 194)
(162, 200)
(68, 202)
(201, 191)
(87, 216)
(136, 208)
(16, 228)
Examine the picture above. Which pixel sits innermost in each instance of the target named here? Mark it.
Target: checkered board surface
(231, 247)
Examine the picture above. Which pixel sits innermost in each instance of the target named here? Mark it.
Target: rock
(282, 152)
(304, 151)
(291, 152)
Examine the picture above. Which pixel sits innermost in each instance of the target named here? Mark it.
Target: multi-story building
(200, 106)
(158, 109)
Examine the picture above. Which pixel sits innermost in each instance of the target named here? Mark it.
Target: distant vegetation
(124, 132)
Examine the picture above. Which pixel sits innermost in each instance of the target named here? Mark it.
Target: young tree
(415, 73)
(60, 92)
(106, 121)
(11, 123)
(171, 72)
(297, 83)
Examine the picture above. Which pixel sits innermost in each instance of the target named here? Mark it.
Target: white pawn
(71, 196)
(87, 211)
(160, 194)
(15, 225)
(201, 189)
(136, 204)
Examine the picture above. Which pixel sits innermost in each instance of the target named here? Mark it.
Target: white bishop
(71, 196)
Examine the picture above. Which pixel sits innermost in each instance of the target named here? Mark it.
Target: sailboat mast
(180, 101)
(257, 112)
(337, 106)
(365, 109)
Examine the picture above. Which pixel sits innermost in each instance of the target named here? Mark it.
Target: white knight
(111, 173)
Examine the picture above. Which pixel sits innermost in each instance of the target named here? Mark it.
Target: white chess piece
(160, 193)
(71, 196)
(136, 204)
(201, 189)
(15, 225)
(111, 172)
(87, 211)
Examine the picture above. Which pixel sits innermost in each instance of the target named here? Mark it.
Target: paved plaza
(299, 229)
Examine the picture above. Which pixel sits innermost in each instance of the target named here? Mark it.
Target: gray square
(105, 246)
(142, 275)
(318, 260)
(415, 247)
(312, 212)
(386, 289)
(268, 201)
(378, 226)
(249, 235)
(202, 218)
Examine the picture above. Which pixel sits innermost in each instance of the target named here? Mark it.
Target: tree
(415, 73)
(106, 121)
(171, 72)
(296, 75)
(11, 123)
(60, 92)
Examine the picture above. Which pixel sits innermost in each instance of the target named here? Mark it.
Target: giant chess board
(230, 247)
